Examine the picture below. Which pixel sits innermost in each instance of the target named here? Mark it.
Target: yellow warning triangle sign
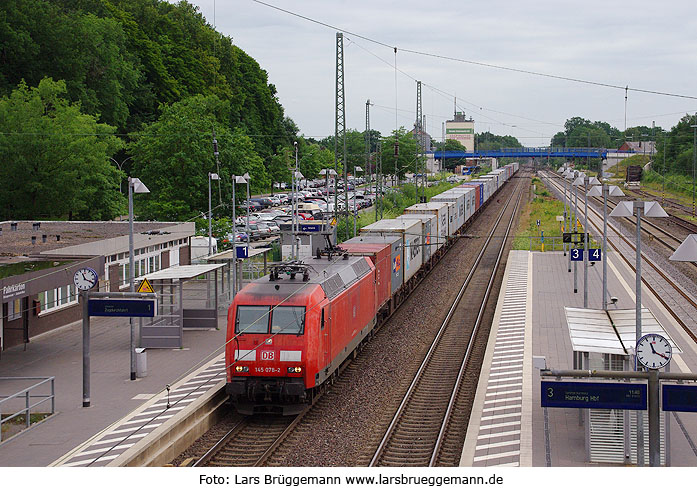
(145, 287)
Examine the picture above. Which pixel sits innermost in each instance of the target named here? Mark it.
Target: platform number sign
(576, 254)
(595, 255)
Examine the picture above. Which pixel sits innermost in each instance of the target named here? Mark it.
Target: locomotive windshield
(288, 320)
(253, 319)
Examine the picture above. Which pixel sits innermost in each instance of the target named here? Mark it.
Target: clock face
(653, 351)
(85, 278)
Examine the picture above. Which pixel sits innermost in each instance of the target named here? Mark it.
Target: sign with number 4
(576, 254)
(595, 254)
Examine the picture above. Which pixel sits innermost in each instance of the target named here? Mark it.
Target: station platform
(120, 408)
(508, 426)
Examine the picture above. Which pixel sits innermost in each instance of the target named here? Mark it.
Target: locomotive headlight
(295, 369)
(242, 369)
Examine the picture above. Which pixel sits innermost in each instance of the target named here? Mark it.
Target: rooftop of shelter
(62, 238)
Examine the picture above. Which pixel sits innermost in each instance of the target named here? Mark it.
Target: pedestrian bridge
(542, 152)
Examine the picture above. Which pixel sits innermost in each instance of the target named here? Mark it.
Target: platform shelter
(187, 298)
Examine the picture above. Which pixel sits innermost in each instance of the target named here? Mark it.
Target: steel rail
(424, 364)
(211, 453)
(660, 272)
(470, 343)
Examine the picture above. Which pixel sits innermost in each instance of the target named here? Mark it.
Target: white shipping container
(458, 197)
(440, 210)
(411, 232)
(470, 201)
(486, 182)
(428, 225)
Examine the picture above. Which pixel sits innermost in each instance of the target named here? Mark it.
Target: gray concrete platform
(113, 394)
(529, 436)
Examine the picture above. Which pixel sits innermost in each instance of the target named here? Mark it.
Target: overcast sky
(644, 44)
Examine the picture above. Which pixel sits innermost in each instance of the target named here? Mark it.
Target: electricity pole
(419, 131)
(340, 125)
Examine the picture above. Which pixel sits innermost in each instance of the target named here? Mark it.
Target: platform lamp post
(573, 217)
(630, 209)
(586, 181)
(578, 175)
(562, 170)
(604, 191)
(297, 176)
(134, 186)
(247, 180)
(235, 181)
(355, 170)
(215, 177)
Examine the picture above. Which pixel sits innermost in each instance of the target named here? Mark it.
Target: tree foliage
(126, 63)
(406, 160)
(55, 159)
(174, 155)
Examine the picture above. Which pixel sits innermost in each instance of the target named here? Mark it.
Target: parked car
(256, 232)
(240, 237)
(274, 229)
(275, 200)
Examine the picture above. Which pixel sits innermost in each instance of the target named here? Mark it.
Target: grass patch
(545, 207)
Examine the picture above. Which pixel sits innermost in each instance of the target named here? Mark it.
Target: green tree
(39, 38)
(55, 158)
(406, 161)
(174, 155)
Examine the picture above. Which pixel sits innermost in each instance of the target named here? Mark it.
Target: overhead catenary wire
(477, 63)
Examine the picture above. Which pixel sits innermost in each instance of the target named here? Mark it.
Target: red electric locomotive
(289, 331)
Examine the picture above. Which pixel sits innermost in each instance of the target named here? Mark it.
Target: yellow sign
(333, 222)
(145, 287)
(578, 223)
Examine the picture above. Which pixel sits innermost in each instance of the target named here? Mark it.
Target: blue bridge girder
(542, 152)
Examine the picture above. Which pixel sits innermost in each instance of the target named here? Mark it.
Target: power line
(476, 63)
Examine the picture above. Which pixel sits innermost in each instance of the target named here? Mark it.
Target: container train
(289, 332)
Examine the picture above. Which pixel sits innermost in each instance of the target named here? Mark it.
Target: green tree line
(130, 72)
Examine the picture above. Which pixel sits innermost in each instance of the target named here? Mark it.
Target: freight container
(494, 178)
(428, 227)
(458, 197)
(381, 250)
(410, 232)
(485, 182)
(478, 196)
(396, 254)
(470, 199)
(439, 235)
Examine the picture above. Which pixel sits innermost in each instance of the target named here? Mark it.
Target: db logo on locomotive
(267, 355)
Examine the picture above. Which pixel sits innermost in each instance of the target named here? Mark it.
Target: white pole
(585, 248)
(640, 414)
(606, 188)
(234, 236)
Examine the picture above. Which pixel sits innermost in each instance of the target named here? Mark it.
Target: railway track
(423, 431)
(651, 228)
(250, 441)
(689, 300)
(261, 442)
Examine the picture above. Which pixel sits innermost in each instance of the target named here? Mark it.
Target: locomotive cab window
(288, 320)
(253, 319)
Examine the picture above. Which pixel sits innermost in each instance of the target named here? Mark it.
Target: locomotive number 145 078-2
(267, 369)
